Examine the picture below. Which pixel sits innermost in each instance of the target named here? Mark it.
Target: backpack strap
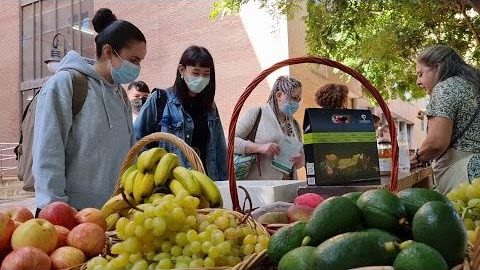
(80, 90)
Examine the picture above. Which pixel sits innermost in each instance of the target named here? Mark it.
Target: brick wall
(9, 67)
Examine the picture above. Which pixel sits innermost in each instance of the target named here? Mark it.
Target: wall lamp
(55, 55)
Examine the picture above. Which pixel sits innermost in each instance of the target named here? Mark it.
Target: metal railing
(8, 162)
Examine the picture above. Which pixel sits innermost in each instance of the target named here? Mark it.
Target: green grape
(152, 266)
(135, 257)
(248, 249)
(259, 247)
(213, 252)
(205, 236)
(140, 231)
(181, 239)
(233, 223)
(222, 222)
(150, 255)
(221, 261)
(469, 224)
(211, 227)
(133, 245)
(236, 251)
(130, 228)
(201, 218)
(225, 247)
(203, 225)
(217, 237)
(166, 246)
(264, 240)
(181, 265)
(197, 263)
(148, 223)
(196, 246)
(120, 261)
(140, 265)
(139, 217)
(190, 202)
(96, 261)
(192, 235)
(176, 251)
(169, 197)
(164, 264)
(231, 234)
(191, 220)
(120, 225)
(187, 251)
(250, 239)
(161, 256)
(209, 262)
(206, 246)
(233, 260)
(159, 226)
(177, 214)
(471, 191)
(184, 259)
(99, 267)
(118, 248)
(247, 230)
(149, 211)
(148, 247)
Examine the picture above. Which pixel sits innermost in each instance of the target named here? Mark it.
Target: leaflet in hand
(289, 147)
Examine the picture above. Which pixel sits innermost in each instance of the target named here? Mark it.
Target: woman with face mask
(190, 113)
(77, 158)
(276, 119)
(453, 135)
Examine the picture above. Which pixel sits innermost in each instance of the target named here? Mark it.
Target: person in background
(276, 118)
(453, 134)
(190, 113)
(138, 93)
(76, 159)
(332, 96)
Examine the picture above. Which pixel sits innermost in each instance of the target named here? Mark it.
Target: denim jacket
(178, 122)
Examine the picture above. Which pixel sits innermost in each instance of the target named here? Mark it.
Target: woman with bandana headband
(76, 158)
(276, 118)
(190, 113)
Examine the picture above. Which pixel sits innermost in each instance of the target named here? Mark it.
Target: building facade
(242, 46)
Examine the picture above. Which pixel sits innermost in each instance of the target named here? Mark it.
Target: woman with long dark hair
(188, 111)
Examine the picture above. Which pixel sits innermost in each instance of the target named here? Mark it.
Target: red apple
(7, 226)
(59, 213)
(88, 237)
(20, 214)
(66, 257)
(4, 252)
(91, 215)
(37, 233)
(62, 233)
(26, 258)
(17, 223)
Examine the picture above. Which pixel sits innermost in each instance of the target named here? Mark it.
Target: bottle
(384, 157)
(403, 152)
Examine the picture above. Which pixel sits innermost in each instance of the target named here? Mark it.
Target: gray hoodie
(77, 159)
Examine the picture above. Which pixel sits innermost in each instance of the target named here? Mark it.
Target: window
(41, 20)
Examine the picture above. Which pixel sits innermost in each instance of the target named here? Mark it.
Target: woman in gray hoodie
(77, 159)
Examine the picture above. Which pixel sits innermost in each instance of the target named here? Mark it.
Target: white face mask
(196, 84)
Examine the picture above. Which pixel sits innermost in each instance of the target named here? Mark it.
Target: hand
(298, 161)
(270, 149)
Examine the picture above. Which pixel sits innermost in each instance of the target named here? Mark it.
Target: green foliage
(381, 38)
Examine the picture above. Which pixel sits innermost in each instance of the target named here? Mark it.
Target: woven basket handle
(303, 60)
(132, 154)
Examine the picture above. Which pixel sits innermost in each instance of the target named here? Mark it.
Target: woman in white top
(276, 118)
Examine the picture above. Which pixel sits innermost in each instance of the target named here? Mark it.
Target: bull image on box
(340, 147)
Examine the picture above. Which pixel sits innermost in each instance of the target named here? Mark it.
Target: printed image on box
(340, 147)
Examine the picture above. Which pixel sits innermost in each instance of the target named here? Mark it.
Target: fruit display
(374, 228)
(170, 233)
(466, 200)
(156, 173)
(46, 243)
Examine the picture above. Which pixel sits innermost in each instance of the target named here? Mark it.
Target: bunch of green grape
(169, 234)
(465, 199)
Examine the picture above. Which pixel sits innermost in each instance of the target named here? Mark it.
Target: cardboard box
(340, 147)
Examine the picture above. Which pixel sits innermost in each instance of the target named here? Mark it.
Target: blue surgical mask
(126, 73)
(290, 107)
(196, 84)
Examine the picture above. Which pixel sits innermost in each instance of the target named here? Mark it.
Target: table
(420, 177)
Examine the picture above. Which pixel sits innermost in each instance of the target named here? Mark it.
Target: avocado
(414, 198)
(299, 258)
(383, 210)
(334, 216)
(438, 225)
(285, 240)
(356, 249)
(419, 256)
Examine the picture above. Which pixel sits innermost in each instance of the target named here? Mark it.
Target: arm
(146, 121)
(438, 138)
(53, 121)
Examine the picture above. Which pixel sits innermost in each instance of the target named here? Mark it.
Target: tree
(380, 38)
